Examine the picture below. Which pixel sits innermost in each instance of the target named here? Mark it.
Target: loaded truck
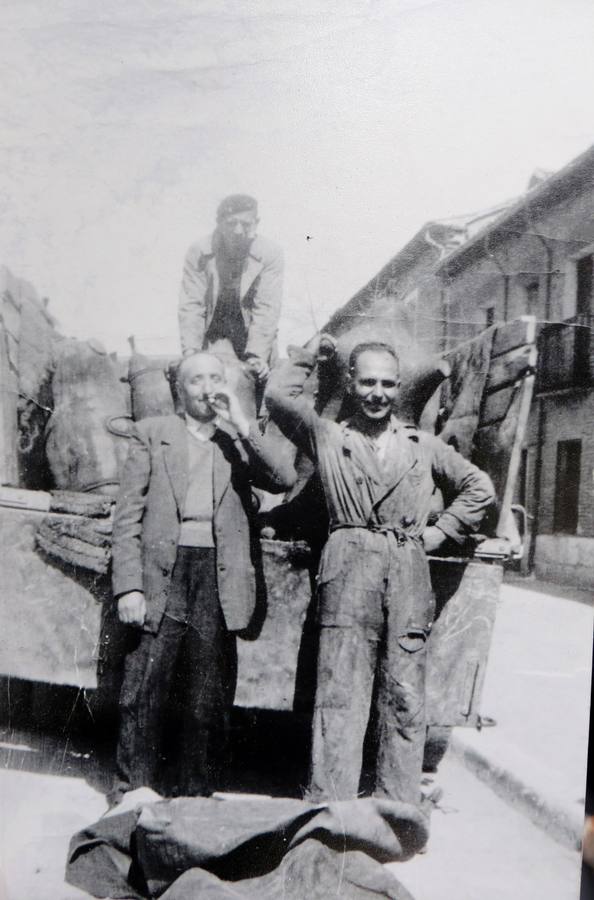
(65, 412)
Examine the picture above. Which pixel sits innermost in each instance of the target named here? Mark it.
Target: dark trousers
(371, 667)
(178, 688)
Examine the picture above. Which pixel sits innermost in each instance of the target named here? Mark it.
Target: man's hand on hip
(132, 608)
(433, 538)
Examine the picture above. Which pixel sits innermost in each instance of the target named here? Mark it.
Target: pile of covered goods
(65, 411)
(67, 405)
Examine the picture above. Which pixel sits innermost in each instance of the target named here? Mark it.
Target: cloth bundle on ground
(248, 848)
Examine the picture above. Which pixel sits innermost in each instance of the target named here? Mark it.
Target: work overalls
(375, 609)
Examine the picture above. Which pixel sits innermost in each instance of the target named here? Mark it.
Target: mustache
(210, 398)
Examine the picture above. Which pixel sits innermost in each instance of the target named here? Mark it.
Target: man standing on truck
(230, 297)
(375, 604)
(186, 576)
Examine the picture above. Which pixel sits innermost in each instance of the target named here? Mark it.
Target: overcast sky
(124, 123)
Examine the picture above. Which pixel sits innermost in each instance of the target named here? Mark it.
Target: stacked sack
(82, 453)
(87, 437)
(27, 339)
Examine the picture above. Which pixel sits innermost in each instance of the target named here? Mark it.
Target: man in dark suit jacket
(230, 297)
(186, 574)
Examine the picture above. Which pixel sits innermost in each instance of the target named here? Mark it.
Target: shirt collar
(395, 425)
(204, 431)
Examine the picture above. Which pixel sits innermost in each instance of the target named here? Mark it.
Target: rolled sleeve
(293, 413)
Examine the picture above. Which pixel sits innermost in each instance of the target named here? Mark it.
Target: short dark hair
(375, 347)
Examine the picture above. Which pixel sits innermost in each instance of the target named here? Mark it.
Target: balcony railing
(565, 354)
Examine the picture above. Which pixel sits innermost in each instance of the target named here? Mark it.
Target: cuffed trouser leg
(346, 666)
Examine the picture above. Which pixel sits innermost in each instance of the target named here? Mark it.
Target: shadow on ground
(65, 731)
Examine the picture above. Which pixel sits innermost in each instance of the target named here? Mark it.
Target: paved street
(482, 847)
(537, 688)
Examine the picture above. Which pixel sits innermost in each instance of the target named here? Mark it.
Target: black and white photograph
(296, 450)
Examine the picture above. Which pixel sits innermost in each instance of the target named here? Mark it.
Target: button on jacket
(150, 504)
(260, 293)
(362, 490)
(375, 603)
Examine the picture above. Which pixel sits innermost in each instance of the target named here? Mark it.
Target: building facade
(533, 256)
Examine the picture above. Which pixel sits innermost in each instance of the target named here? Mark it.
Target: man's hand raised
(260, 369)
(227, 406)
(323, 347)
(132, 608)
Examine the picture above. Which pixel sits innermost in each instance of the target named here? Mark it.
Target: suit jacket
(260, 294)
(148, 511)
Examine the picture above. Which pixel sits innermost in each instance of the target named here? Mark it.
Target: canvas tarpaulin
(51, 613)
(248, 848)
(59, 622)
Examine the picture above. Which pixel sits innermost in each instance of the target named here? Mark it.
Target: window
(567, 486)
(583, 304)
(489, 316)
(584, 272)
(532, 297)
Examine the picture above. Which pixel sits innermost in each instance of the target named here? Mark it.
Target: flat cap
(236, 203)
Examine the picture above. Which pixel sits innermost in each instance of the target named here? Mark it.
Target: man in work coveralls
(186, 576)
(375, 604)
(230, 296)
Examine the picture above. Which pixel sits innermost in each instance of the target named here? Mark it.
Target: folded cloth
(85, 529)
(80, 541)
(262, 849)
(79, 503)
(463, 392)
(72, 551)
(310, 870)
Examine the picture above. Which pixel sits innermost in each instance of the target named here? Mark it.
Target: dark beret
(236, 203)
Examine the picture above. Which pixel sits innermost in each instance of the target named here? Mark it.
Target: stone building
(533, 256)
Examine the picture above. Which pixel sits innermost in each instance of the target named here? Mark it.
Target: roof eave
(545, 195)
